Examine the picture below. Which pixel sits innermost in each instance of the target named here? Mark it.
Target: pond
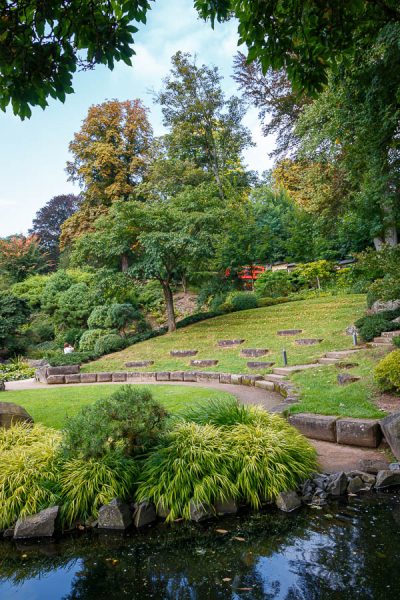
(347, 550)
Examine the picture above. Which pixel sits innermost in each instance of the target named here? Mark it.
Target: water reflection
(347, 550)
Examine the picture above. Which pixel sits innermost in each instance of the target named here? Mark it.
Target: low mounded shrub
(89, 339)
(75, 358)
(273, 284)
(242, 300)
(127, 423)
(371, 326)
(273, 301)
(387, 372)
(111, 342)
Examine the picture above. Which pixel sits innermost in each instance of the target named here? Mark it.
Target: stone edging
(365, 433)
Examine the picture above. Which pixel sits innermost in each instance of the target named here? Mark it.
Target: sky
(34, 152)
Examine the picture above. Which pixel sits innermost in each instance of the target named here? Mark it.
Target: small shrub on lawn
(242, 300)
(387, 372)
(273, 284)
(111, 342)
(128, 423)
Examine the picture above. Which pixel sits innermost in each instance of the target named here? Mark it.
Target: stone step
(294, 369)
(274, 377)
(328, 361)
(390, 334)
(382, 340)
(386, 346)
(342, 353)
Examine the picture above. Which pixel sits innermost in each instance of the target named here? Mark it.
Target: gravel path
(332, 457)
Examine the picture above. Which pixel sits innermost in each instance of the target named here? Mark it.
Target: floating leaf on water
(227, 579)
(221, 530)
(238, 539)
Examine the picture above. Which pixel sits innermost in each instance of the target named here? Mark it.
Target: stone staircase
(384, 341)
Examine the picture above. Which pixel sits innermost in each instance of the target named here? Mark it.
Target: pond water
(346, 550)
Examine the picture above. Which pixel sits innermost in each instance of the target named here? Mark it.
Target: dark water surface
(347, 550)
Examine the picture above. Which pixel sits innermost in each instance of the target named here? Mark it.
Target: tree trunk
(124, 263)
(169, 303)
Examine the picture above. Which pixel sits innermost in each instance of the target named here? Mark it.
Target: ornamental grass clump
(268, 459)
(249, 461)
(221, 412)
(87, 484)
(29, 471)
(191, 465)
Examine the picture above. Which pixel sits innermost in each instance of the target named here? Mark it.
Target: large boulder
(11, 413)
(35, 526)
(288, 501)
(390, 426)
(145, 513)
(387, 478)
(115, 515)
(381, 305)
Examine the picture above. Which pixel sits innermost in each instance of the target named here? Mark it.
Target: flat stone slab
(259, 364)
(346, 378)
(88, 377)
(139, 363)
(318, 427)
(184, 352)
(190, 376)
(254, 352)
(55, 379)
(308, 341)
(65, 370)
(229, 343)
(11, 413)
(207, 376)
(289, 331)
(119, 376)
(358, 432)
(102, 377)
(140, 375)
(342, 353)
(265, 385)
(163, 375)
(209, 362)
(176, 376)
(251, 379)
(73, 378)
(225, 378)
(294, 369)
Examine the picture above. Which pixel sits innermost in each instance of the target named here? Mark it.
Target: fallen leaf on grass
(238, 539)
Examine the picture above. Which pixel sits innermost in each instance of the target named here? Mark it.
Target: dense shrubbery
(387, 372)
(371, 326)
(273, 284)
(111, 342)
(377, 273)
(15, 370)
(229, 451)
(240, 301)
(59, 359)
(89, 339)
(127, 423)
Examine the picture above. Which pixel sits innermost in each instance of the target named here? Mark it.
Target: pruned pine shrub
(29, 471)
(387, 372)
(87, 484)
(111, 342)
(128, 422)
(250, 461)
(192, 464)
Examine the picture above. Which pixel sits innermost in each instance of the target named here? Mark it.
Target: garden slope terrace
(324, 318)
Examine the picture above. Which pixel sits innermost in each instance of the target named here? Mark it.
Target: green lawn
(321, 394)
(326, 317)
(51, 406)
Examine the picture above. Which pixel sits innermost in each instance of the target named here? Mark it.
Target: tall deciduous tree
(48, 220)
(110, 158)
(206, 127)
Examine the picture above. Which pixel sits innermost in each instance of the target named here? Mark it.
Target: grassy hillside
(52, 406)
(326, 317)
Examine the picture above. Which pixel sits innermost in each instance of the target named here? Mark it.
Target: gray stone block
(190, 376)
(176, 376)
(35, 526)
(390, 426)
(257, 364)
(358, 432)
(253, 352)
(226, 507)
(145, 513)
(73, 378)
(183, 353)
(288, 501)
(308, 341)
(337, 484)
(265, 385)
(289, 331)
(88, 377)
(64, 370)
(133, 376)
(119, 376)
(55, 379)
(251, 379)
(236, 379)
(139, 363)
(229, 343)
(346, 378)
(11, 413)
(387, 478)
(200, 512)
(41, 374)
(163, 375)
(209, 362)
(115, 515)
(225, 378)
(317, 427)
(102, 377)
(207, 376)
